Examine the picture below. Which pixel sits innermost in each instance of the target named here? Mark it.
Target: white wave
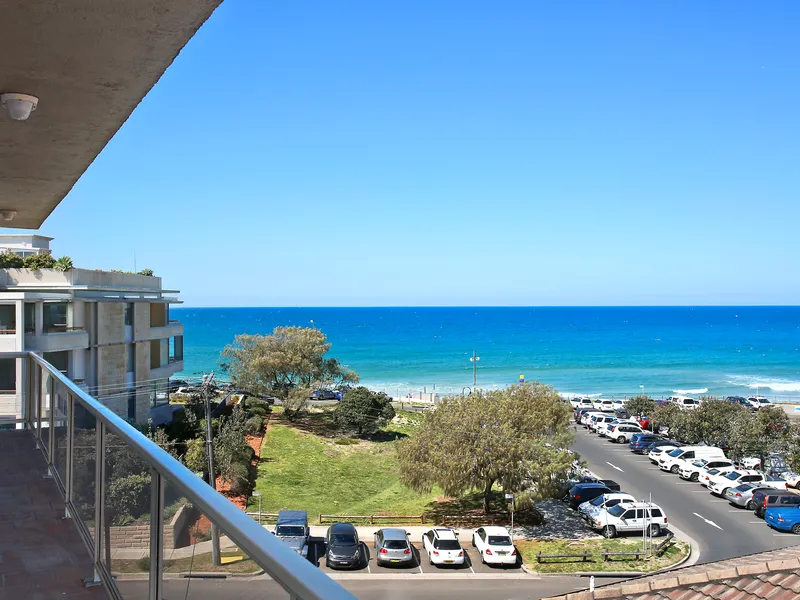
(694, 391)
(775, 384)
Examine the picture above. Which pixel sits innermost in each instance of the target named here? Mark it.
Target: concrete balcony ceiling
(90, 62)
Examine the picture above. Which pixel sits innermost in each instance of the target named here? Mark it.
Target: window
(129, 313)
(446, 545)
(8, 375)
(655, 513)
(629, 514)
(30, 317)
(688, 455)
(616, 511)
(55, 317)
(640, 513)
(395, 545)
(499, 540)
(131, 358)
(8, 318)
(291, 531)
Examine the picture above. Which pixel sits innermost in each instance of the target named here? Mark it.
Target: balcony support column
(157, 484)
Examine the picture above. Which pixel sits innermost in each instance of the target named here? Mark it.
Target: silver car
(743, 495)
(392, 546)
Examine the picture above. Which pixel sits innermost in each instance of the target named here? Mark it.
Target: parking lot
(418, 565)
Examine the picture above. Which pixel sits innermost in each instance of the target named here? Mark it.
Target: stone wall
(138, 536)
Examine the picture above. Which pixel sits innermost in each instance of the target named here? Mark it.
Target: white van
(684, 402)
(680, 456)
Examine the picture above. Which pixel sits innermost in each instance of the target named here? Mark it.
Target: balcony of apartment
(8, 328)
(100, 511)
(57, 332)
(77, 278)
(166, 357)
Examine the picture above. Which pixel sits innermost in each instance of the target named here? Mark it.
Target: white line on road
(684, 482)
(698, 491)
(614, 467)
(783, 535)
(707, 521)
(725, 501)
(755, 522)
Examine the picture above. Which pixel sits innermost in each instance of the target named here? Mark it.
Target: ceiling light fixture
(7, 214)
(19, 106)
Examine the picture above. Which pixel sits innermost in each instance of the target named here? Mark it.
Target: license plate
(395, 560)
(448, 562)
(502, 553)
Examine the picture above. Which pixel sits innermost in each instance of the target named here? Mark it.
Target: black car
(740, 400)
(343, 547)
(769, 498)
(610, 484)
(584, 492)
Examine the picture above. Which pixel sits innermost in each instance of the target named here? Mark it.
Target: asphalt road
(377, 589)
(720, 529)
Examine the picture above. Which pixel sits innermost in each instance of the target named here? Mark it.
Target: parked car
(292, 529)
(742, 495)
(630, 517)
(691, 470)
(784, 518)
(607, 405)
(584, 402)
(659, 450)
(640, 441)
(597, 420)
(775, 482)
(622, 433)
(740, 400)
(706, 477)
(792, 479)
(684, 402)
(343, 547)
(326, 395)
(673, 461)
(441, 545)
(644, 422)
(767, 498)
(606, 428)
(610, 484)
(495, 546)
(719, 484)
(759, 402)
(583, 492)
(587, 416)
(392, 546)
(591, 508)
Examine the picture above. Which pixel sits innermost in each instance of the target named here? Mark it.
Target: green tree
(287, 358)
(711, 423)
(792, 447)
(232, 453)
(363, 411)
(195, 458)
(63, 264)
(296, 401)
(670, 416)
(757, 434)
(515, 437)
(641, 406)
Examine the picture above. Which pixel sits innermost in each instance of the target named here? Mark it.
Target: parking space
(419, 564)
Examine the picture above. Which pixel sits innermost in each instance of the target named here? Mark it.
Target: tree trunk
(486, 493)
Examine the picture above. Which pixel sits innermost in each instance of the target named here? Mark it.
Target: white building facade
(109, 332)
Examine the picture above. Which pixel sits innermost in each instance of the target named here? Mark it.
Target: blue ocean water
(608, 351)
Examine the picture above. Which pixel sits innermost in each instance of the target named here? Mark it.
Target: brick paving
(42, 557)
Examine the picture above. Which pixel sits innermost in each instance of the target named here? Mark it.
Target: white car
(495, 546)
(622, 433)
(691, 471)
(707, 476)
(603, 429)
(584, 402)
(720, 483)
(657, 453)
(684, 402)
(607, 405)
(792, 479)
(588, 415)
(631, 517)
(442, 547)
(599, 423)
(589, 510)
(759, 402)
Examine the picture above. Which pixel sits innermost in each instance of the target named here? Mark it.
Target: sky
(361, 153)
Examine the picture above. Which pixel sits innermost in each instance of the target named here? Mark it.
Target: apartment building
(109, 332)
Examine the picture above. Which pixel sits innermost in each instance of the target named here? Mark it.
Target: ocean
(609, 351)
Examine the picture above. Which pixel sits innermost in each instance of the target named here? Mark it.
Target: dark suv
(583, 492)
(640, 441)
(767, 498)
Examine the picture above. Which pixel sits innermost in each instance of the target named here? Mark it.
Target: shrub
(363, 411)
(259, 411)
(35, 262)
(345, 441)
(9, 260)
(251, 402)
(254, 425)
(144, 564)
(64, 264)
(148, 272)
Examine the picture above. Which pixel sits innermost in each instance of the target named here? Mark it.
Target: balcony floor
(42, 557)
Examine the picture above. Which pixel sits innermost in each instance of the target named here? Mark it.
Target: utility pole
(212, 478)
(474, 360)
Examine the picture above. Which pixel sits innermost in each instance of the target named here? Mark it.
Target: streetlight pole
(474, 360)
(257, 494)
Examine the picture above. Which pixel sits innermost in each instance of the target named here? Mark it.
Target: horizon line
(184, 306)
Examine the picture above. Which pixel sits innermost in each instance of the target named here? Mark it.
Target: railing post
(70, 424)
(38, 395)
(99, 493)
(157, 484)
(51, 438)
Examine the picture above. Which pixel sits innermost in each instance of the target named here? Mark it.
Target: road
(720, 529)
(366, 589)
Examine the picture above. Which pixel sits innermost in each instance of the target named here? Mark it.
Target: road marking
(615, 467)
(783, 534)
(707, 521)
(755, 522)
(725, 501)
(737, 510)
(697, 491)
(684, 482)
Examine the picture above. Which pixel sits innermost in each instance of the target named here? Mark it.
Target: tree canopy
(514, 437)
(641, 406)
(288, 357)
(363, 411)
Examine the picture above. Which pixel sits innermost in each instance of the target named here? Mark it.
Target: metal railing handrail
(298, 576)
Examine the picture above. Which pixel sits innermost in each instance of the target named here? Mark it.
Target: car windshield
(676, 452)
(617, 510)
(745, 487)
(343, 539)
(395, 544)
(290, 530)
(764, 401)
(699, 463)
(733, 475)
(598, 501)
(713, 471)
(446, 545)
(499, 540)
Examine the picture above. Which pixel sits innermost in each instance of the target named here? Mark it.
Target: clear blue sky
(443, 153)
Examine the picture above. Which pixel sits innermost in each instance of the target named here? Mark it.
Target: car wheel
(751, 505)
(473, 541)
(695, 477)
(673, 469)
(610, 531)
(621, 439)
(796, 529)
(655, 530)
(327, 563)
(724, 491)
(483, 558)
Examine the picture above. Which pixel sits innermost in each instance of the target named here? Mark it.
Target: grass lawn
(200, 563)
(301, 470)
(529, 548)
